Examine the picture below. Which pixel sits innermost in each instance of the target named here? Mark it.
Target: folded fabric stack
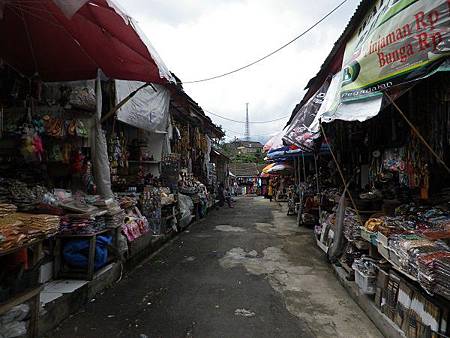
(39, 225)
(22, 196)
(114, 218)
(11, 234)
(442, 266)
(76, 224)
(82, 224)
(127, 202)
(99, 223)
(17, 229)
(5, 197)
(6, 209)
(434, 273)
(402, 244)
(18, 193)
(414, 255)
(351, 225)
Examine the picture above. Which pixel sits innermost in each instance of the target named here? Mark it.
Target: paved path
(242, 272)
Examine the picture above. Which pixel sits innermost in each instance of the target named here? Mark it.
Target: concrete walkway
(242, 272)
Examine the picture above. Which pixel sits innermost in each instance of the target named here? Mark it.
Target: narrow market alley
(242, 272)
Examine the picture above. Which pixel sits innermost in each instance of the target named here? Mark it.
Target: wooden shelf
(19, 299)
(23, 246)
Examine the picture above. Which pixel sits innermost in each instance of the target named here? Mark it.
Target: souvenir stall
(396, 228)
(193, 134)
(141, 168)
(50, 209)
(303, 179)
(53, 212)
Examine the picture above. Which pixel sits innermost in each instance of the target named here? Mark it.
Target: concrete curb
(386, 326)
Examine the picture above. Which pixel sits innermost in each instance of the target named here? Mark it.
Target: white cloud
(199, 39)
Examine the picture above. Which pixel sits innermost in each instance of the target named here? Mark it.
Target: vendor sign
(398, 41)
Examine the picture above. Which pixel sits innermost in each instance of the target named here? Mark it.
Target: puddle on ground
(229, 228)
(280, 229)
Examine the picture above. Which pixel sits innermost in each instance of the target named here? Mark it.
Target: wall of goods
(396, 242)
(50, 213)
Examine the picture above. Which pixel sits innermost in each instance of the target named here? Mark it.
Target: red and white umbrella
(62, 40)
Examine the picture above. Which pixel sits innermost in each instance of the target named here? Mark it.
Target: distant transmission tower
(247, 125)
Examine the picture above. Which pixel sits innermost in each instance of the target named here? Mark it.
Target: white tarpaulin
(274, 142)
(70, 7)
(147, 110)
(99, 150)
(332, 109)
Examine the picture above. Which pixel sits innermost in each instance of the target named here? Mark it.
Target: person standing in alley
(221, 196)
(270, 190)
(228, 198)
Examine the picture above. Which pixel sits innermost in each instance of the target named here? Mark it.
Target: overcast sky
(203, 38)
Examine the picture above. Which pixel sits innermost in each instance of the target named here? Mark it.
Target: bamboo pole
(418, 133)
(342, 175)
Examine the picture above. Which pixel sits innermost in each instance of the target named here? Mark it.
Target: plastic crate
(367, 284)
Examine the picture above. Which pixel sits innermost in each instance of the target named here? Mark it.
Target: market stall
(57, 206)
(393, 234)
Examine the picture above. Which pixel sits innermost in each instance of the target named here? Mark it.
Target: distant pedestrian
(228, 198)
(221, 195)
(270, 191)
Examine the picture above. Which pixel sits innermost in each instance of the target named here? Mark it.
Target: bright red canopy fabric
(36, 37)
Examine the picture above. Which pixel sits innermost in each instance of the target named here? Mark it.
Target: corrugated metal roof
(244, 169)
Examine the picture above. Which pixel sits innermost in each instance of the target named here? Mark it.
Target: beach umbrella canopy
(274, 142)
(63, 40)
(268, 167)
(280, 168)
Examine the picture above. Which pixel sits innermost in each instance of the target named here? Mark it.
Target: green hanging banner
(397, 42)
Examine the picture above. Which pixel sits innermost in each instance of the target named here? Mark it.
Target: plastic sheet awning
(287, 153)
(147, 110)
(61, 40)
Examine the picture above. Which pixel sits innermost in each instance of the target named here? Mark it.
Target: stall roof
(189, 108)
(61, 40)
(244, 169)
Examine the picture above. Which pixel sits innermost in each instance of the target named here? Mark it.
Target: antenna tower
(247, 125)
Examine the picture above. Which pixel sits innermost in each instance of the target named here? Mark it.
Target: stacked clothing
(442, 277)
(18, 229)
(6, 209)
(351, 225)
(403, 245)
(127, 202)
(18, 193)
(114, 218)
(434, 272)
(11, 234)
(82, 224)
(39, 225)
(4, 193)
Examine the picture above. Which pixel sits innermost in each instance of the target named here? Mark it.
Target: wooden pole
(418, 133)
(342, 175)
(125, 100)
